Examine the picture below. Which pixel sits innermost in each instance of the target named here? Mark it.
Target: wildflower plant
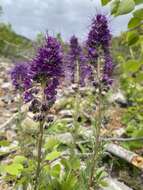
(21, 81)
(98, 47)
(38, 83)
(53, 164)
(45, 73)
(77, 63)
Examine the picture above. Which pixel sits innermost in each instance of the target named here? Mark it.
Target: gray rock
(114, 184)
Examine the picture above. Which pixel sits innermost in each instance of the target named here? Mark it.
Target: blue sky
(28, 17)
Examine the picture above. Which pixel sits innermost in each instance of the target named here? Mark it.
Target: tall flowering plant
(77, 63)
(20, 77)
(98, 46)
(79, 70)
(37, 83)
(21, 81)
(45, 71)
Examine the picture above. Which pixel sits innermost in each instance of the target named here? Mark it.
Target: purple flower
(75, 57)
(20, 77)
(28, 96)
(99, 37)
(98, 46)
(75, 48)
(108, 70)
(92, 54)
(50, 90)
(46, 67)
(99, 34)
(85, 73)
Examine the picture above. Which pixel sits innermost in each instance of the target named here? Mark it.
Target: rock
(1, 81)
(6, 85)
(65, 137)
(10, 135)
(114, 184)
(2, 104)
(119, 98)
(119, 132)
(65, 113)
(7, 99)
(29, 124)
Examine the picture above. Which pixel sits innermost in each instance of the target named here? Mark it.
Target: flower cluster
(98, 44)
(75, 57)
(72, 58)
(99, 35)
(85, 73)
(20, 77)
(108, 70)
(48, 61)
(46, 67)
(75, 48)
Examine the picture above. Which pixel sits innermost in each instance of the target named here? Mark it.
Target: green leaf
(138, 13)
(125, 7)
(138, 133)
(4, 143)
(137, 2)
(139, 77)
(75, 163)
(53, 155)
(100, 173)
(104, 183)
(132, 66)
(114, 6)
(14, 169)
(69, 182)
(134, 144)
(55, 171)
(105, 2)
(132, 37)
(52, 143)
(134, 22)
(19, 159)
(2, 169)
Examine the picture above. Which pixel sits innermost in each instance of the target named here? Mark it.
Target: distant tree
(1, 10)
(39, 38)
(59, 37)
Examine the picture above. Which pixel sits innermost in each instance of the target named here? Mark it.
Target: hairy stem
(19, 122)
(97, 132)
(39, 156)
(39, 148)
(76, 111)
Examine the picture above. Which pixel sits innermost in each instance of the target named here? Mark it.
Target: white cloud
(66, 16)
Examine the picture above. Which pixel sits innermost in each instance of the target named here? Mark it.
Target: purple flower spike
(98, 46)
(85, 73)
(108, 70)
(72, 57)
(20, 77)
(46, 67)
(99, 35)
(76, 55)
(75, 49)
(48, 61)
(28, 96)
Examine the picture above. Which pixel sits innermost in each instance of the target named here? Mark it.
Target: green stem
(39, 156)
(97, 143)
(39, 148)
(77, 102)
(19, 110)
(76, 111)
(19, 122)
